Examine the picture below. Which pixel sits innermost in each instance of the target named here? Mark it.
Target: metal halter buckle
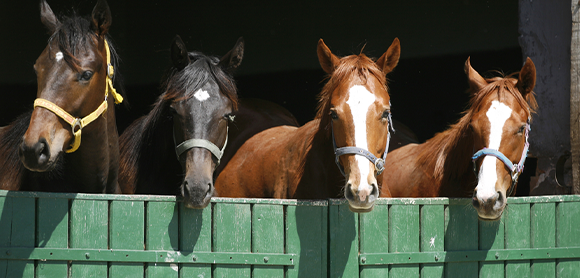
(110, 71)
(77, 123)
(379, 165)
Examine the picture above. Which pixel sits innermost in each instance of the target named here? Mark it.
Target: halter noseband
(202, 143)
(378, 162)
(78, 122)
(516, 169)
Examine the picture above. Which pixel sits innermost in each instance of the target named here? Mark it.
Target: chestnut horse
(497, 124)
(192, 128)
(353, 119)
(74, 75)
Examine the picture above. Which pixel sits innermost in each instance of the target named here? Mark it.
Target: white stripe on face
(359, 101)
(497, 114)
(58, 56)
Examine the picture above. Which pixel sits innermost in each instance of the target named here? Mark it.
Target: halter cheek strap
(516, 169)
(202, 143)
(77, 124)
(378, 162)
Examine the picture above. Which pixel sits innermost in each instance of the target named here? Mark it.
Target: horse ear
(327, 60)
(527, 78)
(179, 55)
(476, 82)
(102, 18)
(390, 59)
(47, 17)
(232, 60)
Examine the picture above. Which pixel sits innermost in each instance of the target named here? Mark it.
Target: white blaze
(58, 56)
(359, 101)
(497, 114)
(201, 95)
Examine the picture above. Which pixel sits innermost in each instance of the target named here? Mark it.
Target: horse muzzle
(361, 200)
(489, 208)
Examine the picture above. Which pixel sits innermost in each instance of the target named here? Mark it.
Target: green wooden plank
(194, 235)
(568, 235)
(517, 235)
(306, 235)
(127, 231)
(231, 233)
(461, 233)
(22, 231)
(374, 238)
(5, 224)
(267, 237)
(404, 237)
(161, 233)
(491, 236)
(89, 229)
(343, 242)
(543, 234)
(52, 231)
(432, 236)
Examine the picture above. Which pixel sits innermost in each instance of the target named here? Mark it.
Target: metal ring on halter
(77, 123)
(110, 71)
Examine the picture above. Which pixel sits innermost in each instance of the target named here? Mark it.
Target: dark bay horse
(197, 110)
(42, 150)
(299, 162)
(497, 123)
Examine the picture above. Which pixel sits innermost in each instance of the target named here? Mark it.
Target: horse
(353, 120)
(42, 150)
(194, 127)
(497, 124)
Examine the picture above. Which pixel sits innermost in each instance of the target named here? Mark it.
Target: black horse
(192, 128)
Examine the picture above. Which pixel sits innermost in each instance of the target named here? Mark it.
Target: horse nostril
(42, 151)
(475, 202)
(348, 192)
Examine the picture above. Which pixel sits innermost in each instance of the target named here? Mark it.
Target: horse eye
(522, 128)
(386, 114)
(333, 115)
(86, 75)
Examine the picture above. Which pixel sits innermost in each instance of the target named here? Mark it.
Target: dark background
(280, 62)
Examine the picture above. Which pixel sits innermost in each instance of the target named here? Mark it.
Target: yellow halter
(78, 122)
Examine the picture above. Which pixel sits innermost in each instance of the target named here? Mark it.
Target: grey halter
(378, 162)
(202, 143)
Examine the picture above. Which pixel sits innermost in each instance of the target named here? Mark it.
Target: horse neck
(447, 156)
(320, 175)
(148, 155)
(94, 166)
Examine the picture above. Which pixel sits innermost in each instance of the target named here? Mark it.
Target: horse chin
(361, 210)
(490, 218)
(197, 205)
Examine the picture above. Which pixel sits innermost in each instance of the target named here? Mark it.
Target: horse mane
(139, 139)
(72, 36)
(11, 169)
(353, 68)
(444, 153)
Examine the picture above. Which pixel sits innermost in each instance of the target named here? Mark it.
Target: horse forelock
(182, 84)
(73, 36)
(353, 69)
(448, 153)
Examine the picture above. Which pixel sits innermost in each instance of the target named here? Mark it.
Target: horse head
(201, 95)
(355, 106)
(500, 123)
(74, 77)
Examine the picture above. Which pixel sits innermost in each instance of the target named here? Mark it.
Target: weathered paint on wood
(85, 235)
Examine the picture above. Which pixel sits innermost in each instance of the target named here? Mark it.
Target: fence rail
(93, 235)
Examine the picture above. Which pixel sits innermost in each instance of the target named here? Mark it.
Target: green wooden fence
(91, 235)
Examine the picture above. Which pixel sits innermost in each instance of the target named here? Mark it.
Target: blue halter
(516, 169)
(378, 162)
